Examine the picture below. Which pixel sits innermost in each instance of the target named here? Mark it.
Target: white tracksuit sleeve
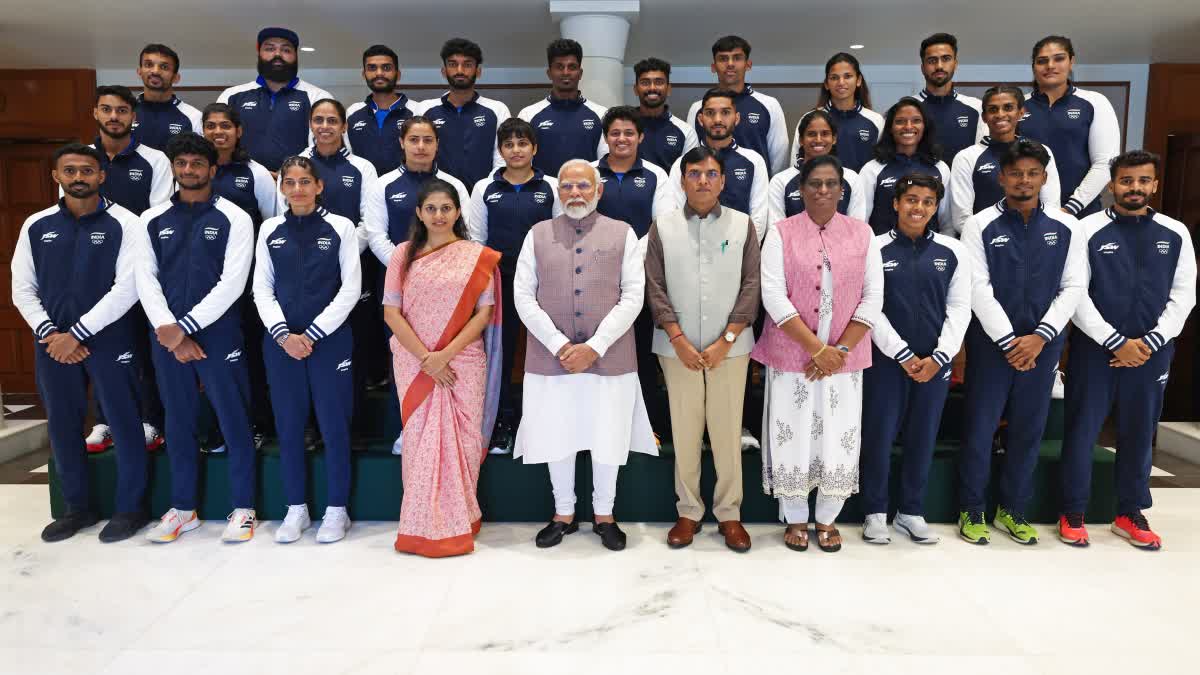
(1104, 143)
(775, 205)
(25, 286)
(866, 185)
(759, 211)
(162, 182)
(335, 313)
(266, 192)
(857, 208)
(983, 299)
(1072, 286)
(675, 178)
(1182, 297)
(960, 192)
(150, 293)
(777, 140)
(525, 286)
(123, 294)
(870, 307)
(633, 294)
(944, 220)
(476, 216)
(795, 149)
(239, 253)
(1051, 194)
(375, 220)
(264, 283)
(556, 209)
(958, 307)
(885, 337)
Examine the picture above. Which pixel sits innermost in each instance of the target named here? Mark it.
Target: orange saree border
(438, 548)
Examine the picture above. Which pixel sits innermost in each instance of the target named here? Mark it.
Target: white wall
(888, 82)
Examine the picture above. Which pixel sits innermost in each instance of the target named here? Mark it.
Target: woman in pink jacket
(822, 286)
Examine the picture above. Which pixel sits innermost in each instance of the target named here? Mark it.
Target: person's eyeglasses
(817, 184)
(582, 186)
(695, 174)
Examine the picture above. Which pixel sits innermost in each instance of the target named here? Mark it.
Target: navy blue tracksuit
(374, 133)
(878, 183)
(307, 281)
(958, 120)
(665, 138)
(195, 277)
(858, 132)
(275, 123)
(1142, 285)
(566, 129)
(1036, 275)
(926, 308)
(90, 297)
(157, 122)
(467, 136)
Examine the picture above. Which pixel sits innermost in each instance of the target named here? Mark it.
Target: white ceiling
(220, 33)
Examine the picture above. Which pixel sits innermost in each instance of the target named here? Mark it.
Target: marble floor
(197, 606)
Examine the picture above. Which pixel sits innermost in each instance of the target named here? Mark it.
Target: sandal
(800, 532)
(826, 533)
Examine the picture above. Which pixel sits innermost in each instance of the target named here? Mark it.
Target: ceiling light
(856, 46)
(308, 49)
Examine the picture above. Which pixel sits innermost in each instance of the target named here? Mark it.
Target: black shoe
(123, 526)
(552, 534)
(68, 525)
(260, 439)
(610, 535)
(312, 440)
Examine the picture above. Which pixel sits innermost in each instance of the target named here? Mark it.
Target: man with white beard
(579, 285)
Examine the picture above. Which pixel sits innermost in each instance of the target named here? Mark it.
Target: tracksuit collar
(603, 165)
(566, 103)
(291, 218)
(897, 235)
(446, 101)
(343, 152)
(262, 82)
(101, 208)
(174, 101)
(1129, 220)
(129, 149)
(926, 96)
(853, 112)
(498, 176)
(401, 101)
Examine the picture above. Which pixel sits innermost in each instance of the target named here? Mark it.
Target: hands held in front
(297, 346)
(710, 358)
(437, 366)
(576, 358)
(825, 362)
(921, 370)
(64, 348)
(1024, 352)
(1132, 354)
(182, 347)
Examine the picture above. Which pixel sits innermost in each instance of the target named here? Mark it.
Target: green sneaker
(1019, 529)
(972, 527)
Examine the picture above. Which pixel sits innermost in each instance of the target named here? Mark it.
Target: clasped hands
(182, 347)
(576, 358)
(693, 359)
(64, 348)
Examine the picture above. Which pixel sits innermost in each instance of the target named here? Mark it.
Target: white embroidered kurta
(566, 414)
(812, 431)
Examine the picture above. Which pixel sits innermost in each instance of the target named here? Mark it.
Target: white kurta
(566, 414)
(811, 433)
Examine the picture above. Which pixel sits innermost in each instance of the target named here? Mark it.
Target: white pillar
(602, 28)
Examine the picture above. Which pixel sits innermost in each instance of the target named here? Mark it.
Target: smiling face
(908, 127)
(652, 88)
(380, 74)
(822, 189)
(731, 68)
(79, 176)
(327, 125)
(818, 138)
(564, 73)
(1052, 65)
(1133, 186)
(193, 172)
(439, 214)
(222, 132)
(938, 65)
(1001, 114)
(842, 81)
(623, 139)
(157, 72)
(300, 188)
(1023, 179)
(915, 207)
(114, 117)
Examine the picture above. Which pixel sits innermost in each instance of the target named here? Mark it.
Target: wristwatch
(730, 337)
(843, 349)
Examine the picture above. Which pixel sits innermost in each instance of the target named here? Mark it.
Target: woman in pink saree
(442, 301)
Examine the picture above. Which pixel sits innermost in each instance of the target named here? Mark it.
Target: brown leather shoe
(683, 531)
(736, 536)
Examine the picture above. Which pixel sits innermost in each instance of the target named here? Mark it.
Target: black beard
(164, 87)
(1132, 207)
(934, 82)
(708, 134)
(460, 87)
(647, 104)
(381, 88)
(200, 183)
(88, 191)
(1022, 198)
(122, 134)
(278, 70)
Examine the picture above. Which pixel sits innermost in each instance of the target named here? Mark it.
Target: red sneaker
(1071, 530)
(1134, 528)
(154, 440)
(99, 440)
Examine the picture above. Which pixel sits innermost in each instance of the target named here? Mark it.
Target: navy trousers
(994, 387)
(324, 381)
(894, 405)
(1093, 389)
(113, 370)
(227, 384)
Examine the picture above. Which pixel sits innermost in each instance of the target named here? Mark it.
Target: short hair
(699, 154)
(815, 163)
(650, 65)
(337, 105)
(515, 127)
(305, 163)
(161, 49)
(1133, 158)
(120, 91)
(77, 149)
(717, 92)
(381, 50)
(462, 46)
(730, 43)
(915, 180)
(1001, 90)
(579, 162)
(939, 39)
(563, 47)
(1024, 148)
(191, 143)
(622, 112)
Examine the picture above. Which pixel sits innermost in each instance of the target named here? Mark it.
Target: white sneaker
(100, 438)
(154, 439)
(1059, 390)
(294, 524)
(333, 525)
(241, 526)
(173, 523)
(916, 528)
(398, 445)
(875, 529)
(749, 442)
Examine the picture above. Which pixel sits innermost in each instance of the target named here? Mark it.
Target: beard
(461, 85)
(105, 131)
(662, 100)
(195, 184)
(81, 190)
(940, 80)
(581, 212)
(1129, 205)
(1023, 197)
(376, 88)
(278, 70)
